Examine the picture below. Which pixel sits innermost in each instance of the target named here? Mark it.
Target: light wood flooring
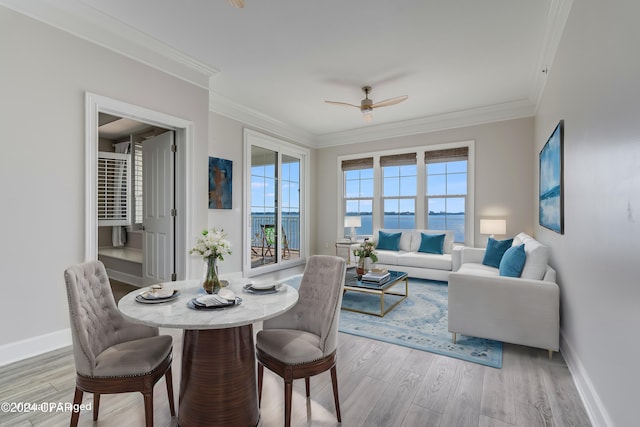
(380, 384)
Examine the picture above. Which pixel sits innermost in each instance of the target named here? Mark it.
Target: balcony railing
(290, 227)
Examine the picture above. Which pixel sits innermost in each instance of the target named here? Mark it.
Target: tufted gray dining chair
(112, 354)
(302, 342)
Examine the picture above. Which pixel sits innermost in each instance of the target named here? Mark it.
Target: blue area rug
(418, 322)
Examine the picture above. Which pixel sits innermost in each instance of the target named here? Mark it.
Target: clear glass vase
(360, 267)
(211, 282)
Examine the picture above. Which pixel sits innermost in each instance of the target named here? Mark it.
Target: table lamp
(353, 222)
(493, 226)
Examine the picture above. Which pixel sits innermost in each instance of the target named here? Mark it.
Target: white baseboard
(19, 350)
(595, 409)
(124, 277)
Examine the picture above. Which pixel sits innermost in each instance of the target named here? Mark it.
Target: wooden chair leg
(148, 409)
(260, 375)
(168, 379)
(307, 386)
(288, 391)
(334, 383)
(96, 406)
(77, 400)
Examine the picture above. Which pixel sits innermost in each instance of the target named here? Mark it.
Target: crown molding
(492, 113)
(226, 107)
(81, 20)
(554, 27)
(85, 22)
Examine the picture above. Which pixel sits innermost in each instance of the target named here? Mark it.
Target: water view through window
(454, 222)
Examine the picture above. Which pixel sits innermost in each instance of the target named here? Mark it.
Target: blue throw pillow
(495, 251)
(513, 261)
(432, 243)
(389, 241)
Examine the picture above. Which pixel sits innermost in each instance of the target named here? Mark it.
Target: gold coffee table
(351, 283)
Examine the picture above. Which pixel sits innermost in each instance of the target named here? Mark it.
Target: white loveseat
(418, 264)
(523, 310)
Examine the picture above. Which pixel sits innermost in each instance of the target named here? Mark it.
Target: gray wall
(45, 74)
(593, 85)
(503, 175)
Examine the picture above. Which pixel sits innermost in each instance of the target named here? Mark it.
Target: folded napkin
(159, 293)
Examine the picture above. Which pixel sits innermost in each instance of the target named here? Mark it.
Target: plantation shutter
(137, 183)
(114, 199)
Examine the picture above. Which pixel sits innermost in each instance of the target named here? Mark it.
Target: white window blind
(114, 197)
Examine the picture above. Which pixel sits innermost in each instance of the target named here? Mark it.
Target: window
(358, 193)
(446, 190)
(398, 190)
(399, 180)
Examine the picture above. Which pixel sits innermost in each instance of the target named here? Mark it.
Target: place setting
(157, 294)
(225, 298)
(262, 288)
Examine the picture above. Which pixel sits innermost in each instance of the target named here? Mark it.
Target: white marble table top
(176, 314)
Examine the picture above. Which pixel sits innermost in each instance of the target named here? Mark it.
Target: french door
(275, 235)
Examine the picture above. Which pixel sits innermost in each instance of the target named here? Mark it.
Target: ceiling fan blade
(345, 104)
(392, 101)
(237, 3)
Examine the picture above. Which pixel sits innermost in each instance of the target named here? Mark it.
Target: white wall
(227, 141)
(45, 74)
(503, 181)
(594, 86)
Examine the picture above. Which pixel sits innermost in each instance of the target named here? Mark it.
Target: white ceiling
(280, 59)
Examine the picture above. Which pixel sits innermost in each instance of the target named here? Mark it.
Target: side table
(342, 245)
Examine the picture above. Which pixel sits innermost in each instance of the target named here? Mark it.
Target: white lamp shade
(493, 226)
(352, 221)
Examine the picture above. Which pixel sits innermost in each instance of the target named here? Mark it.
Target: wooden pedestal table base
(218, 384)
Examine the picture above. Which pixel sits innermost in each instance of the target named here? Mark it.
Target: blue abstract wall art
(551, 181)
(220, 183)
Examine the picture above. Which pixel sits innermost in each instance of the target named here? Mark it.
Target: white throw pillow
(537, 258)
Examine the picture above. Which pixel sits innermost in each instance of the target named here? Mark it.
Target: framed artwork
(220, 175)
(551, 197)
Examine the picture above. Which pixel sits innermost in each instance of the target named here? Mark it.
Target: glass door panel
(264, 208)
(290, 205)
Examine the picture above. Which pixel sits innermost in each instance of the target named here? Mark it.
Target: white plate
(259, 286)
(141, 299)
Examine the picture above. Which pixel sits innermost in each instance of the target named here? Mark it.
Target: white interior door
(158, 211)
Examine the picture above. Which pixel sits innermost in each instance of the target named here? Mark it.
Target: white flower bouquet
(212, 244)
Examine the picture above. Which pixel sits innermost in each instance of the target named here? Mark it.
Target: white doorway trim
(184, 141)
(254, 138)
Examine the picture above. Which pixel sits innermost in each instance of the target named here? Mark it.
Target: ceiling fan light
(367, 115)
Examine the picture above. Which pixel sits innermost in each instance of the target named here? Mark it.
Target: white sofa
(522, 310)
(418, 264)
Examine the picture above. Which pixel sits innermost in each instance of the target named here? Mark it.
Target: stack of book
(377, 278)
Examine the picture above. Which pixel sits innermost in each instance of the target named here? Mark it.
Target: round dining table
(218, 376)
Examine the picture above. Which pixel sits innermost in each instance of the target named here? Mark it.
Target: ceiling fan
(237, 3)
(367, 105)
